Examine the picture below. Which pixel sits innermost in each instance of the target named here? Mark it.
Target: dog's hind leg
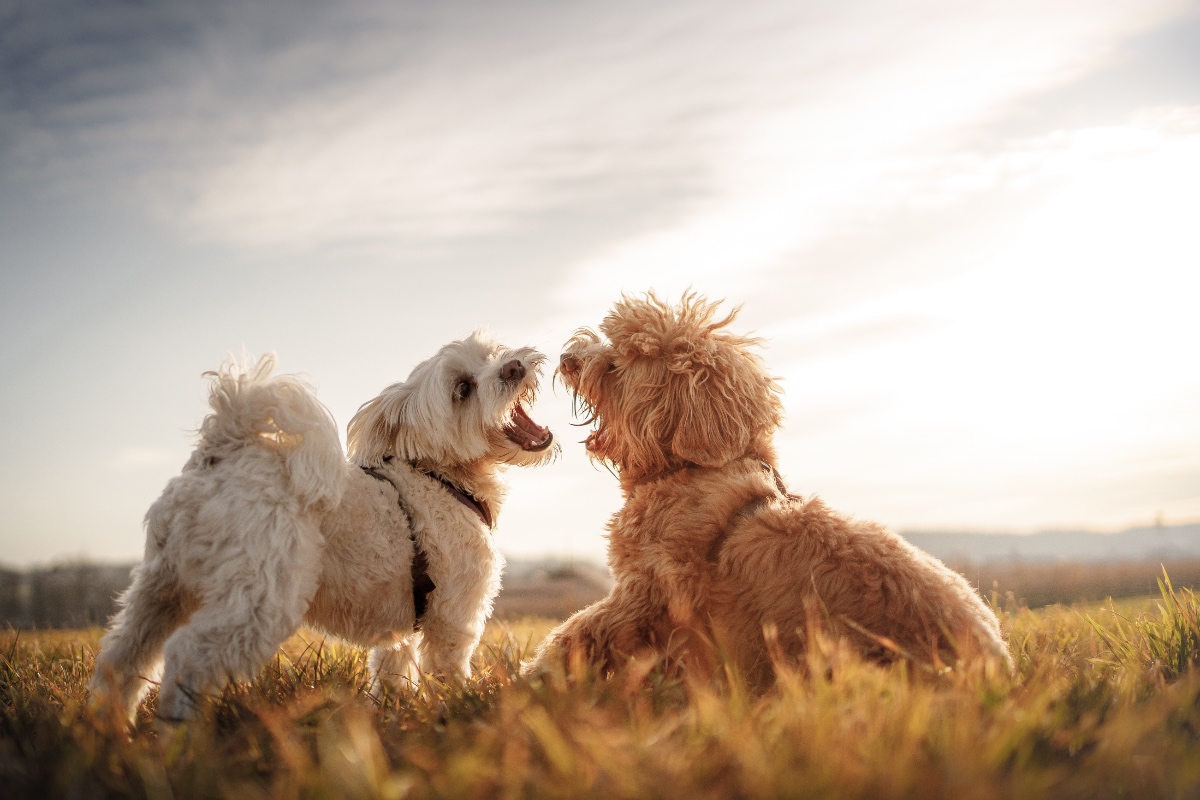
(130, 656)
(223, 641)
(395, 666)
(256, 605)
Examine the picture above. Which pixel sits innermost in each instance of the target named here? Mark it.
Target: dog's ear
(374, 431)
(721, 409)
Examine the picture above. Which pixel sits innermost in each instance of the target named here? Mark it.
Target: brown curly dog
(714, 561)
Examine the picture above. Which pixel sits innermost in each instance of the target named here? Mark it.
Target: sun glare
(1071, 348)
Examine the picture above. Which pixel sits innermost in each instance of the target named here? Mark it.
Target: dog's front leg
(395, 666)
(607, 634)
(446, 648)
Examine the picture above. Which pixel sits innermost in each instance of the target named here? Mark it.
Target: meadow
(1104, 702)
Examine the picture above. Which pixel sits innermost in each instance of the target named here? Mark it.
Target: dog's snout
(512, 371)
(568, 363)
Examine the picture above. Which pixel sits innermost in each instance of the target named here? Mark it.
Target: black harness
(469, 500)
(422, 584)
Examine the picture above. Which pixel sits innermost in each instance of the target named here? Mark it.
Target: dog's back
(268, 461)
(798, 568)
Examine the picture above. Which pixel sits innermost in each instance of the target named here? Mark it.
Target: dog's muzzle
(512, 371)
(568, 364)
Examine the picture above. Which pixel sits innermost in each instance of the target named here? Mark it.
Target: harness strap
(422, 584)
(749, 509)
(470, 501)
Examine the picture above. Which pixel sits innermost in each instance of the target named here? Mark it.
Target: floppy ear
(374, 431)
(722, 409)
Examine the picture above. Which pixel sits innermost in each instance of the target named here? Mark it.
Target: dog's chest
(365, 590)
(366, 593)
(667, 541)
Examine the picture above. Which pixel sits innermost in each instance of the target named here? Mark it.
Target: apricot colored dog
(712, 557)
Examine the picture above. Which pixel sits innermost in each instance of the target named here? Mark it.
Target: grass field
(1105, 702)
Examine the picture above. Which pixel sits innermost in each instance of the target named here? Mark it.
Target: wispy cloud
(880, 135)
(405, 122)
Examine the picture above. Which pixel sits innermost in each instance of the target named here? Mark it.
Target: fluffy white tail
(279, 413)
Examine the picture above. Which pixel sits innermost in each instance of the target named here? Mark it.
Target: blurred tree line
(63, 596)
(80, 594)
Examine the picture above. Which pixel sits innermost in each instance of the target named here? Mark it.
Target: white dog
(269, 526)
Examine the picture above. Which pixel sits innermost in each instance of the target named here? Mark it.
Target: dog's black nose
(512, 371)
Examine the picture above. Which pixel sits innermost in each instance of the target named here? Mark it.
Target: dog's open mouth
(526, 433)
(595, 440)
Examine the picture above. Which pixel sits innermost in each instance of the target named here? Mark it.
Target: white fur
(268, 526)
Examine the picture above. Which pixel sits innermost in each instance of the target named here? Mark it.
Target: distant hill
(1135, 544)
(553, 589)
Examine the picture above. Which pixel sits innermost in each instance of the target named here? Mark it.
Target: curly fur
(268, 526)
(712, 558)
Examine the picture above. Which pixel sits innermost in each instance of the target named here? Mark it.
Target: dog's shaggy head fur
(464, 405)
(670, 387)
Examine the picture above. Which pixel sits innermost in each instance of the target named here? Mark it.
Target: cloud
(872, 136)
(293, 128)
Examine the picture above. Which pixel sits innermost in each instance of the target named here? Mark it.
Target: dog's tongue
(527, 433)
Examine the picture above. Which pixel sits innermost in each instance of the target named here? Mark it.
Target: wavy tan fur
(713, 560)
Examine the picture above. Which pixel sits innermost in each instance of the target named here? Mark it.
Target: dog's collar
(757, 502)
(779, 481)
(769, 468)
(466, 498)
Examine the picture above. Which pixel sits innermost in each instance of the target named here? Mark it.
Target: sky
(966, 233)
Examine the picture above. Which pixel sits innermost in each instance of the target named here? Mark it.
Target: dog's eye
(612, 366)
(463, 389)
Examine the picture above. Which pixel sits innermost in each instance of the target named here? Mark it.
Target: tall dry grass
(1104, 702)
